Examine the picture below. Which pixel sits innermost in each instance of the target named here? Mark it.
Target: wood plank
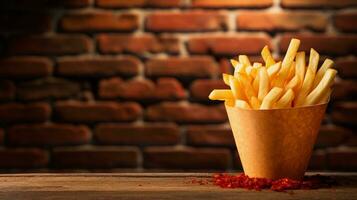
(149, 186)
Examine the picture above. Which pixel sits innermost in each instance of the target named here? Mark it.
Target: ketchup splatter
(280, 185)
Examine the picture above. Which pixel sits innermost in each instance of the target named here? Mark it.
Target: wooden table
(150, 186)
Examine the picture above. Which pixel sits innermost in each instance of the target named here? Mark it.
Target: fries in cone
(275, 110)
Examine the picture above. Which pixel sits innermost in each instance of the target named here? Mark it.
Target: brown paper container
(275, 143)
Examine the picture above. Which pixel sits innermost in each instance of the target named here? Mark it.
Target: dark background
(112, 84)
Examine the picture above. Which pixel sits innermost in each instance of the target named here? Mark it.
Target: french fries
(277, 84)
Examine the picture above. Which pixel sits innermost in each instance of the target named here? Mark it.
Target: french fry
(293, 83)
(325, 97)
(256, 83)
(251, 71)
(291, 72)
(314, 60)
(257, 65)
(286, 100)
(300, 66)
(248, 70)
(320, 73)
(267, 57)
(254, 102)
(242, 104)
(270, 99)
(221, 94)
(244, 60)
(229, 102)
(273, 70)
(234, 63)
(226, 78)
(239, 69)
(237, 89)
(248, 88)
(263, 83)
(305, 88)
(289, 57)
(324, 85)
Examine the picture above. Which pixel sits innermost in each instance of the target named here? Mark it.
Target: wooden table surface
(151, 186)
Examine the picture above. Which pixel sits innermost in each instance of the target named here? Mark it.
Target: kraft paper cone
(275, 143)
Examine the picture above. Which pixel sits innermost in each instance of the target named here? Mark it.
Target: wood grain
(150, 186)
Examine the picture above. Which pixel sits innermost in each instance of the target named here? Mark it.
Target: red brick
(99, 21)
(25, 67)
(209, 136)
(231, 3)
(200, 89)
(345, 113)
(342, 159)
(141, 89)
(324, 44)
(2, 136)
(20, 158)
(49, 88)
(345, 90)
(48, 135)
(181, 67)
(186, 113)
(137, 44)
(126, 66)
(146, 134)
(16, 112)
(138, 3)
(95, 157)
(7, 90)
(186, 158)
(331, 135)
(225, 66)
(346, 21)
(318, 3)
(228, 45)
(347, 68)
(25, 23)
(75, 111)
(186, 21)
(50, 45)
(318, 161)
(286, 21)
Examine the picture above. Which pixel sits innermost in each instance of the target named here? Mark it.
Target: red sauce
(243, 181)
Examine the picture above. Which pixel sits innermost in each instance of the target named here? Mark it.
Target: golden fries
(255, 103)
(242, 104)
(263, 84)
(324, 67)
(286, 100)
(321, 88)
(271, 98)
(237, 90)
(305, 88)
(273, 70)
(267, 57)
(277, 84)
(300, 66)
(221, 95)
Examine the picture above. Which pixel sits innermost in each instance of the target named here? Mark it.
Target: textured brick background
(98, 84)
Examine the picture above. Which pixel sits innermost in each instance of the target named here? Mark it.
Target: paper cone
(275, 143)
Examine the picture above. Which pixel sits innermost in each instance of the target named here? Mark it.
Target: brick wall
(124, 83)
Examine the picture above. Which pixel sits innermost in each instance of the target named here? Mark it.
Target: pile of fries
(277, 85)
